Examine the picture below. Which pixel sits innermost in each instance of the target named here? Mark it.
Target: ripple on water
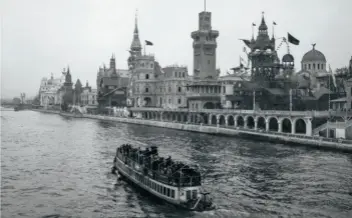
(56, 167)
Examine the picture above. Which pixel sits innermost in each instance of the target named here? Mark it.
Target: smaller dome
(288, 58)
(314, 55)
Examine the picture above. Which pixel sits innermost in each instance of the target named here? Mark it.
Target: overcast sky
(43, 36)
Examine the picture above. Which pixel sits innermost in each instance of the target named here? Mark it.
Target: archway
(240, 121)
(168, 117)
(301, 126)
(213, 120)
(209, 105)
(164, 116)
(230, 121)
(273, 125)
(203, 118)
(185, 117)
(286, 125)
(261, 123)
(174, 118)
(147, 102)
(179, 117)
(250, 122)
(222, 120)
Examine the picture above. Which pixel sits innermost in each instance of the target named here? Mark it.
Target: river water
(52, 166)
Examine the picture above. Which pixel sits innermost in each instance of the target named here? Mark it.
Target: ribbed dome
(314, 55)
(288, 58)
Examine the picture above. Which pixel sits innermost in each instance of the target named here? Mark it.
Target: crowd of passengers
(162, 169)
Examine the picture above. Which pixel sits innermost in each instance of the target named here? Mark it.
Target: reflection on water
(52, 166)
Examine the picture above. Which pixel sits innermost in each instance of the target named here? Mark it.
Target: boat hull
(135, 182)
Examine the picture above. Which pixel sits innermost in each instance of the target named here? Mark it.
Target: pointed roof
(136, 43)
(263, 25)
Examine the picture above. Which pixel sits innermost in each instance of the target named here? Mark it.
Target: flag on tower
(148, 42)
(253, 24)
(274, 23)
(292, 39)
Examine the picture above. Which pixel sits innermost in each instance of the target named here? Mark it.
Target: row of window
(309, 66)
(180, 74)
(179, 101)
(179, 89)
(145, 65)
(156, 187)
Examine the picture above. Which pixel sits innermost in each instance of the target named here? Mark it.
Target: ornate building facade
(151, 85)
(111, 85)
(49, 90)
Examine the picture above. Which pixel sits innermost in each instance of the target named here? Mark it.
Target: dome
(314, 55)
(288, 58)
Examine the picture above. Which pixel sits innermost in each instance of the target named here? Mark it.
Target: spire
(136, 43)
(263, 25)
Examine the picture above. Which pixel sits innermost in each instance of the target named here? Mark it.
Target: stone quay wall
(319, 142)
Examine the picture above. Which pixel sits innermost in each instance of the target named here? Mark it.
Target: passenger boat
(172, 181)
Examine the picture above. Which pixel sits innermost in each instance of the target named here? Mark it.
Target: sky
(40, 37)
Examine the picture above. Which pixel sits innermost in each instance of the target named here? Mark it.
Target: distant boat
(173, 182)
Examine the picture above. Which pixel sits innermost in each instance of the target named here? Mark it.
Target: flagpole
(252, 31)
(254, 100)
(290, 100)
(273, 30)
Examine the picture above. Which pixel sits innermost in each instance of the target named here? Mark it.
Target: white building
(49, 90)
(89, 96)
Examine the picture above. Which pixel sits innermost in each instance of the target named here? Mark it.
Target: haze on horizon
(40, 37)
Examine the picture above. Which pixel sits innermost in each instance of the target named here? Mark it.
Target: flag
(274, 23)
(292, 39)
(333, 77)
(253, 24)
(247, 42)
(148, 42)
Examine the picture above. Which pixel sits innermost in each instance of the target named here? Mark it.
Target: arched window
(179, 101)
(175, 74)
(309, 66)
(169, 88)
(146, 89)
(318, 66)
(169, 100)
(151, 65)
(313, 66)
(179, 89)
(183, 74)
(146, 76)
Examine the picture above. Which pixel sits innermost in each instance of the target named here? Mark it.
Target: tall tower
(263, 55)
(136, 47)
(204, 48)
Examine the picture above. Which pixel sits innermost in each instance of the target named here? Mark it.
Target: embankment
(319, 142)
